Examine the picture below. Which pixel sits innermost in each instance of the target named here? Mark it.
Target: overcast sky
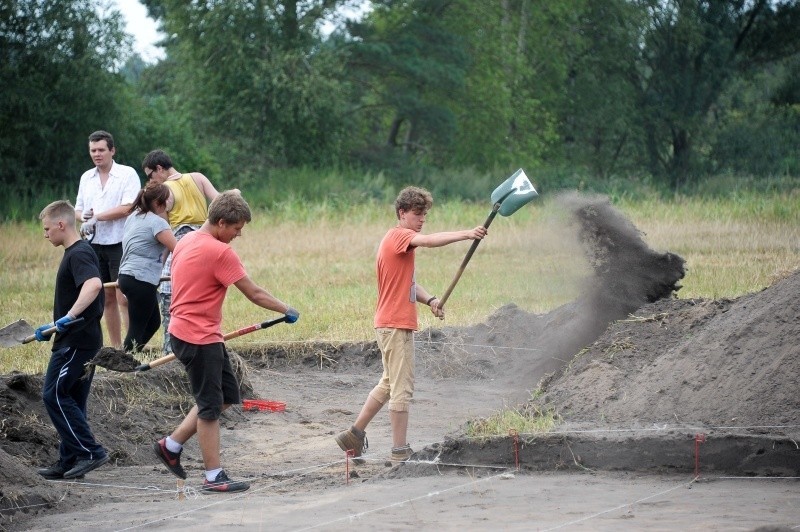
(142, 28)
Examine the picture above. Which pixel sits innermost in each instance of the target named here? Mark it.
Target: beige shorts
(397, 382)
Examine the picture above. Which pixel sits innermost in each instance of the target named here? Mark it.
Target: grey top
(141, 251)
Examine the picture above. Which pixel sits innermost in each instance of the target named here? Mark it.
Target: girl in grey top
(146, 240)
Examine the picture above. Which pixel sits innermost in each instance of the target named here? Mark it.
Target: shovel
(20, 332)
(130, 364)
(512, 194)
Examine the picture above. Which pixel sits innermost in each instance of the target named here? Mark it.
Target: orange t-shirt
(397, 287)
(202, 270)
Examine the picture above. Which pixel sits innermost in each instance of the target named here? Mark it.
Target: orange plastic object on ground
(255, 405)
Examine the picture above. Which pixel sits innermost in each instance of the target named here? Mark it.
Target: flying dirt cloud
(625, 274)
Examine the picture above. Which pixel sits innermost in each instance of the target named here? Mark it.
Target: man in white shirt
(105, 195)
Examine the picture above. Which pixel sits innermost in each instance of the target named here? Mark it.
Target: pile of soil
(628, 351)
(675, 378)
(727, 363)
(125, 411)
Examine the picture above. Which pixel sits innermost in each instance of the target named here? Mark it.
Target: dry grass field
(321, 261)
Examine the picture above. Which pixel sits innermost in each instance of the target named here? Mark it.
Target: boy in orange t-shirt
(396, 318)
(204, 266)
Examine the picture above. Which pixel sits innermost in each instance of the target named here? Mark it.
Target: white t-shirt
(121, 188)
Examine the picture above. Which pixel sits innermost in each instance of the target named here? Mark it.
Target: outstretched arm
(260, 296)
(435, 240)
(115, 213)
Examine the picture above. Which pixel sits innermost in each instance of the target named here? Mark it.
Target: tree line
(671, 91)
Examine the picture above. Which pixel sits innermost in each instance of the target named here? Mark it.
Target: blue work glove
(62, 323)
(292, 315)
(39, 332)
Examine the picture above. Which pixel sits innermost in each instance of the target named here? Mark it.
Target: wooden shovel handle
(472, 248)
(155, 363)
(31, 338)
(49, 331)
(253, 328)
(235, 334)
(114, 284)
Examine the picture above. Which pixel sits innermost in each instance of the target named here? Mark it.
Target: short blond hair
(58, 210)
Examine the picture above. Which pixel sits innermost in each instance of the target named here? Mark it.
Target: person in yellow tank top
(187, 210)
(188, 204)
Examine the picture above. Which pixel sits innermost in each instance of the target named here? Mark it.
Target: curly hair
(413, 199)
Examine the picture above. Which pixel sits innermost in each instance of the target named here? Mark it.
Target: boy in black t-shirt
(78, 296)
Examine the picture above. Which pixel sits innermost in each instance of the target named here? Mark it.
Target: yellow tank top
(190, 203)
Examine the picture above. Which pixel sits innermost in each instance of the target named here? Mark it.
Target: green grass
(319, 257)
(524, 422)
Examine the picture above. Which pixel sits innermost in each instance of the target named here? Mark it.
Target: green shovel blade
(515, 192)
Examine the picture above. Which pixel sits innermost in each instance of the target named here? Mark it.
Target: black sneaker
(222, 484)
(168, 458)
(55, 471)
(82, 467)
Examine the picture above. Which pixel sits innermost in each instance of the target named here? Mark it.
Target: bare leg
(187, 428)
(207, 431)
(122, 301)
(399, 422)
(368, 411)
(111, 315)
(208, 438)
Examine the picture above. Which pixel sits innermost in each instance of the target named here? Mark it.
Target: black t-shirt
(78, 266)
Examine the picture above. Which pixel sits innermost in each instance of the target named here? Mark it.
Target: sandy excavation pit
(633, 375)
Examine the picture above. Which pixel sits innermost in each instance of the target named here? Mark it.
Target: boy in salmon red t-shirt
(203, 267)
(396, 318)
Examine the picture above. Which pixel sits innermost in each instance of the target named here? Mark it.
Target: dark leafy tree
(689, 50)
(408, 70)
(598, 119)
(58, 83)
(259, 88)
(756, 123)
